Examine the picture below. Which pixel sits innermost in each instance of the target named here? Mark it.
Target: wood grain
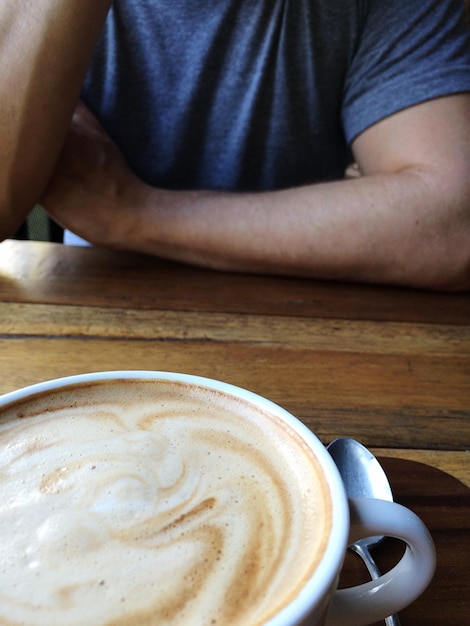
(390, 367)
(456, 464)
(361, 336)
(332, 408)
(57, 274)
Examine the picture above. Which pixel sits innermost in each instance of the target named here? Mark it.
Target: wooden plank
(38, 320)
(57, 274)
(457, 464)
(384, 400)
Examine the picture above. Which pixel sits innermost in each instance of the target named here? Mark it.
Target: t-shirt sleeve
(407, 53)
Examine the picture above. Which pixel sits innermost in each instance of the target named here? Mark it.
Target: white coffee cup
(313, 599)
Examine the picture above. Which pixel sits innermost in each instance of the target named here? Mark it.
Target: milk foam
(124, 504)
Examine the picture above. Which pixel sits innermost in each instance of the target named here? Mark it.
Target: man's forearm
(398, 228)
(405, 221)
(45, 47)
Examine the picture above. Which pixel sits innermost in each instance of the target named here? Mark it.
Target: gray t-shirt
(265, 94)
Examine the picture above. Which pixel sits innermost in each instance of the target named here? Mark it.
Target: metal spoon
(363, 477)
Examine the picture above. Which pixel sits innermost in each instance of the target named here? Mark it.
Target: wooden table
(390, 367)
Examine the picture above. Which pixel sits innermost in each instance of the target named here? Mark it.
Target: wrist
(166, 223)
(132, 201)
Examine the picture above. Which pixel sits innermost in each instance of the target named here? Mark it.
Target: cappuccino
(145, 502)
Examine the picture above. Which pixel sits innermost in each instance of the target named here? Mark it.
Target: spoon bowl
(363, 477)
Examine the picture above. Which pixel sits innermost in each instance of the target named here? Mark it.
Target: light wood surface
(390, 367)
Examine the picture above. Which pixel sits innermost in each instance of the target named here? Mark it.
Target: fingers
(85, 122)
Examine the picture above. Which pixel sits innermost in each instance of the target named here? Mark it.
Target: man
(224, 130)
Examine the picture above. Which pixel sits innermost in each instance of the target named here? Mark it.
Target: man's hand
(92, 191)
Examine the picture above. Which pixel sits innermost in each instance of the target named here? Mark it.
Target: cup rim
(319, 585)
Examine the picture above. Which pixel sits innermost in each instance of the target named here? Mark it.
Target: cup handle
(393, 591)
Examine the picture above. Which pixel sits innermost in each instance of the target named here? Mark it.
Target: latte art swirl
(149, 503)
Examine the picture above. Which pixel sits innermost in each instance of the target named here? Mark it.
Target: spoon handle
(374, 571)
(392, 620)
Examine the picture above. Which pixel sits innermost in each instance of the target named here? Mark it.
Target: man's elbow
(458, 279)
(442, 247)
(456, 275)
(13, 212)
(22, 184)
(448, 267)
(442, 273)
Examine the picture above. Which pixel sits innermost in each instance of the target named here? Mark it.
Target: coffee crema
(148, 502)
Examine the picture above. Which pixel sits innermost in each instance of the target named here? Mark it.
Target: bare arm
(405, 221)
(45, 48)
